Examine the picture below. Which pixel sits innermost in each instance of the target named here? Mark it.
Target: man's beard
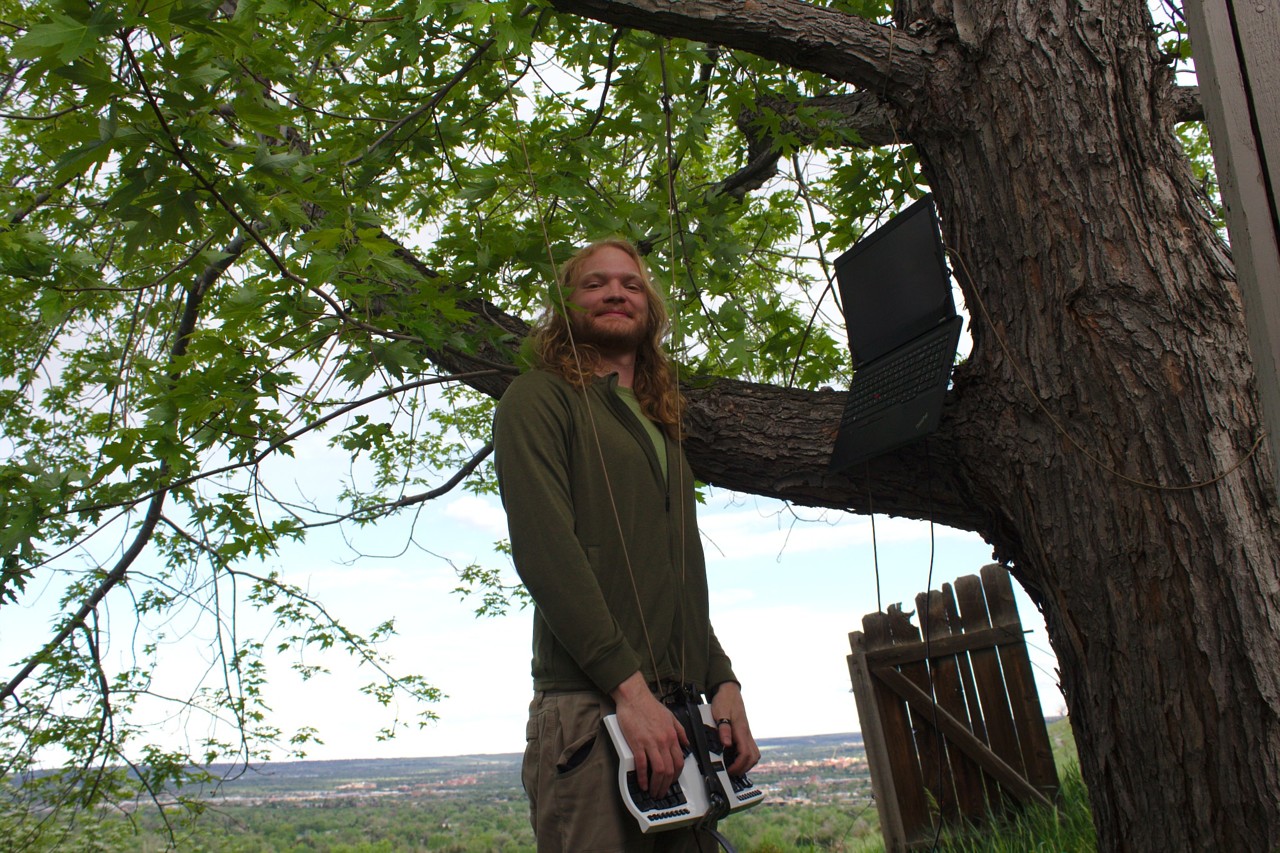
(608, 338)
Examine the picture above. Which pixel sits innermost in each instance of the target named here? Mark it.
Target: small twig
(285, 439)
(411, 500)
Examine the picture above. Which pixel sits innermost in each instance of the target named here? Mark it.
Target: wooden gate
(982, 745)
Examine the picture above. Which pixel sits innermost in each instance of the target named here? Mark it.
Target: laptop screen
(894, 283)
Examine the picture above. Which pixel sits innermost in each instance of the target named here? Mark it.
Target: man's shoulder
(536, 388)
(536, 381)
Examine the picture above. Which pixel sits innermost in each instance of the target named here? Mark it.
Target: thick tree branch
(790, 463)
(860, 116)
(727, 448)
(792, 459)
(809, 38)
(1187, 105)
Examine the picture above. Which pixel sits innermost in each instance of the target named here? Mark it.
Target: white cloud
(748, 531)
(483, 514)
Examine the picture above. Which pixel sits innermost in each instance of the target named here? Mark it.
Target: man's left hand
(727, 705)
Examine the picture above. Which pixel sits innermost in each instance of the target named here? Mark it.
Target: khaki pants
(571, 776)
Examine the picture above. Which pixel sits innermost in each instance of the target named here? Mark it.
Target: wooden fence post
(951, 716)
(1236, 45)
(876, 745)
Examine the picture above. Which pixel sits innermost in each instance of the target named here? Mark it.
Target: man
(600, 508)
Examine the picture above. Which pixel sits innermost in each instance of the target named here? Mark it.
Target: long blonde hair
(556, 350)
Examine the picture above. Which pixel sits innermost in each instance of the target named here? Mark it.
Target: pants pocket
(575, 754)
(539, 733)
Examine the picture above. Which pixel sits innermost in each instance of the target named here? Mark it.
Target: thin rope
(1062, 430)
(586, 399)
(675, 363)
(927, 627)
(875, 550)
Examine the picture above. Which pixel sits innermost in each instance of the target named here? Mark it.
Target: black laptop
(903, 332)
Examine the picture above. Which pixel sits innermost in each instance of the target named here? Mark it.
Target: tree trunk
(1115, 376)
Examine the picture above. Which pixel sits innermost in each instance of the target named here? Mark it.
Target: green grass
(1065, 829)
(1068, 828)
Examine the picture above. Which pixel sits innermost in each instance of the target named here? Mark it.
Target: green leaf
(62, 39)
(78, 159)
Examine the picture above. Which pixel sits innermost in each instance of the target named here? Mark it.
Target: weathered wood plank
(980, 638)
(928, 741)
(1010, 778)
(1237, 52)
(996, 713)
(966, 669)
(875, 741)
(941, 686)
(904, 766)
(1020, 682)
(949, 692)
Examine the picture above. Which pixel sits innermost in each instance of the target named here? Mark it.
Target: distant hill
(356, 774)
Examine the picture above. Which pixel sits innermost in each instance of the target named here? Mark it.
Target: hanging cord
(563, 307)
(675, 364)
(928, 656)
(675, 367)
(875, 550)
(924, 625)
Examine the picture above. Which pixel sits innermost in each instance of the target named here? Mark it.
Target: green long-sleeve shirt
(607, 547)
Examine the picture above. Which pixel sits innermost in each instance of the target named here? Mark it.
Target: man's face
(609, 305)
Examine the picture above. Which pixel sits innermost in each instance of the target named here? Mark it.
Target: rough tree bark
(1103, 436)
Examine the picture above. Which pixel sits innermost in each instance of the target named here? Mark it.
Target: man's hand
(727, 705)
(654, 734)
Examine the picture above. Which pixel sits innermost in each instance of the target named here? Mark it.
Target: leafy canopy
(231, 226)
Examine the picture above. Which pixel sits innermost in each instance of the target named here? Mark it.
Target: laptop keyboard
(910, 371)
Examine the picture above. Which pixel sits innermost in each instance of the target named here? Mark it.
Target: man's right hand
(654, 734)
